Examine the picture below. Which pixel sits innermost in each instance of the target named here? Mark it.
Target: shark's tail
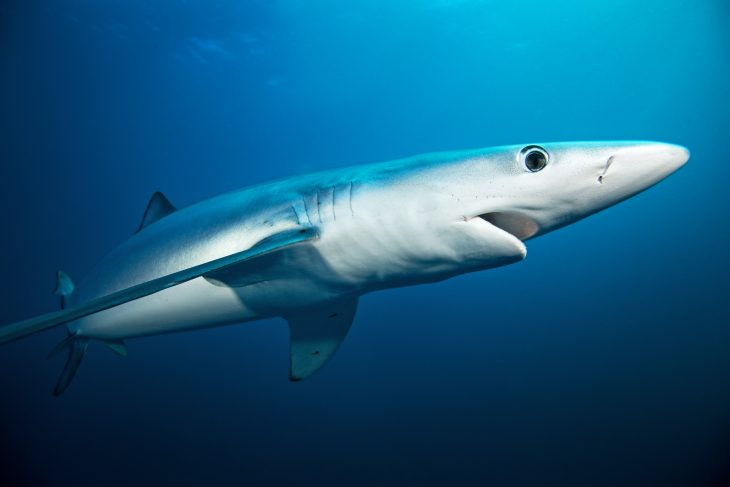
(76, 347)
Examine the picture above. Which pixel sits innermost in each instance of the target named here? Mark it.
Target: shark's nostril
(605, 170)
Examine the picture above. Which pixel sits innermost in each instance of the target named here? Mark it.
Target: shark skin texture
(305, 248)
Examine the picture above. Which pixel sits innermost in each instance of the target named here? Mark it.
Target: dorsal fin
(158, 207)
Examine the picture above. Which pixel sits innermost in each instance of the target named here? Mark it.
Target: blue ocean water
(602, 359)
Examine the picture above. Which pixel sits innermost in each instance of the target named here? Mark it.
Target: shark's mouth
(517, 224)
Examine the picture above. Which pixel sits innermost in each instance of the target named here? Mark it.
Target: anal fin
(316, 333)
(118, 346)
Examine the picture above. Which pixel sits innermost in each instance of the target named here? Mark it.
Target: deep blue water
(602, 359)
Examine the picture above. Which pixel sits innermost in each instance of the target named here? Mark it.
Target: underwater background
(602, 359)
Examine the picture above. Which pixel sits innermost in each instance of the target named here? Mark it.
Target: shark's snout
(581, 179)
(678, 155)
(636, 167)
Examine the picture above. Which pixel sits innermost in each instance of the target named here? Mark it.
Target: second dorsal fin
(158, 207)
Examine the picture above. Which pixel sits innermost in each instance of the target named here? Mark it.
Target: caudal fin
(76, 350)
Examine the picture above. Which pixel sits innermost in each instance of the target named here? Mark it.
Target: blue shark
(306, 248)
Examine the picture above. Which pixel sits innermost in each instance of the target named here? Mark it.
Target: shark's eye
(534, 158)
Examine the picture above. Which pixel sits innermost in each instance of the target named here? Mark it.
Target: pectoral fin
(266, 246)
(316, 333)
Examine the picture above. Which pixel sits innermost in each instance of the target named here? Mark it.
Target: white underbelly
(194, 304)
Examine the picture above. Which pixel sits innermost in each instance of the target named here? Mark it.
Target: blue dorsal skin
(307, 247)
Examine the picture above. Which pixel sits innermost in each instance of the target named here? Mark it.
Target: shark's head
(431, 217)
(553, 185)
(500, 197)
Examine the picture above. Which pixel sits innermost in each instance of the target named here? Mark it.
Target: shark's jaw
(508, 227)
(500, 236)
(516, 224)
